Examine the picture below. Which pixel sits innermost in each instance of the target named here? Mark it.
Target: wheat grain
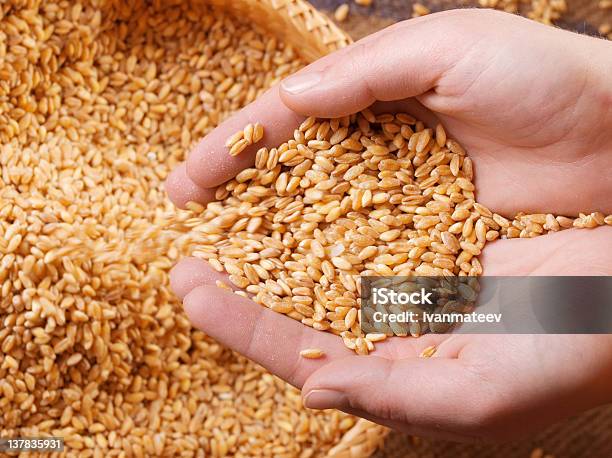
(312, 353)
(428, 352)
(249, 135)
(342, 12)
(96, 111)
(348, 197)
(418, 10)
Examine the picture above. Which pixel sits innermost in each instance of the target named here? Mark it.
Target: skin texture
(536, 117)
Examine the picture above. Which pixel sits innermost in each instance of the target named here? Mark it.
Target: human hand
(477, 387)
(547, 151)
(530, 103)
(488, 125)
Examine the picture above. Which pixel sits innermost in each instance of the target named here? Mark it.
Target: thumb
(403, 61)
(432, 396)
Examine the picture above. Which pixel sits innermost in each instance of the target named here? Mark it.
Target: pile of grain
(98, 102)
(361, 195)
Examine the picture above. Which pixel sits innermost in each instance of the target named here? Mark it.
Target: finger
(377, 69)
(181, 189)
(190, 273)
(433, 396)
(569, 252)
(266, 337)
(212, 168)
(209, 164)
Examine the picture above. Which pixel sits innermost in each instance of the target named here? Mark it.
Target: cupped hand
(476, 387)
(531, 104)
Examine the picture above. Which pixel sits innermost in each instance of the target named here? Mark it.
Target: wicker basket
(295, 21)
(313, 34)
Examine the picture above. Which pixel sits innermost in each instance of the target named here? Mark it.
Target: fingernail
(297, 84)
(324, 399)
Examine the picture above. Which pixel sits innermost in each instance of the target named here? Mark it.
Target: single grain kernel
(418, 9)
(342, 12)
(312, 353)
(428, 352)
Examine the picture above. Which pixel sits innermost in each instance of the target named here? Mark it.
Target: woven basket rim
(312, 33)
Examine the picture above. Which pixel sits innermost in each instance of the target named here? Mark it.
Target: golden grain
(376, 337)
(428, 352)
(312, 353)
(418, 9)
(362, 204)
(96, 111)
(93, 340)
(342, 12)
(249, 135)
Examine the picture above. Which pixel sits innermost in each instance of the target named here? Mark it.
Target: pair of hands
(533, 107)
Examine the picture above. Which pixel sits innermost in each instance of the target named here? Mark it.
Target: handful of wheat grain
(363, 195)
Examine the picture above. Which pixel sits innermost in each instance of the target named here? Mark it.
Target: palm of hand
(550, 146)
